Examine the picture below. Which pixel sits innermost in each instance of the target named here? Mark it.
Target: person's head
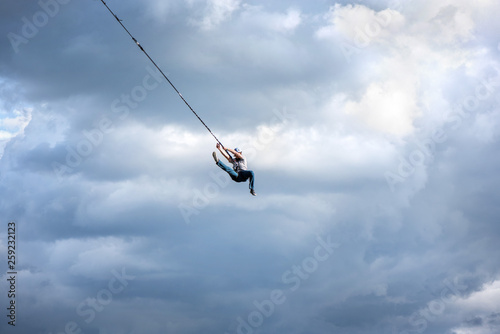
(238, 150)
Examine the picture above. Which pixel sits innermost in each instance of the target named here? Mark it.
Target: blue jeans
(241, 176)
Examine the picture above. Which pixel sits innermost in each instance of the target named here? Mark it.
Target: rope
(163, 74)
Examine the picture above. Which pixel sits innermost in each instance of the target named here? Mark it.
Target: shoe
(215, 157)
(253, 192)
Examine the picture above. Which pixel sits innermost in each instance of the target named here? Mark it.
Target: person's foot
(215, 157)
(253, 192)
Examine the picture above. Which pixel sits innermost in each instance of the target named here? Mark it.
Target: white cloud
(359, 24)
(258, 20)
(338, 156)
(404, 58)
(485, 300)
(216, 12)
(290, 21)
(480, 311)
(286, 22)
(389, 107)
(12, 125)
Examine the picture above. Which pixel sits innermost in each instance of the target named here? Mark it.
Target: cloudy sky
(373, 129)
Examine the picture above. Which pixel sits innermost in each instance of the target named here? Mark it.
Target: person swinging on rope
(239, 172)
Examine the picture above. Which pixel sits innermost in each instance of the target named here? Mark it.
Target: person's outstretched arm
(224, 153)
(236, 154)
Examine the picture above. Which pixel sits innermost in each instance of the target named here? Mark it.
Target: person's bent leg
(250, 183)
(246, 175)
(227, 169)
